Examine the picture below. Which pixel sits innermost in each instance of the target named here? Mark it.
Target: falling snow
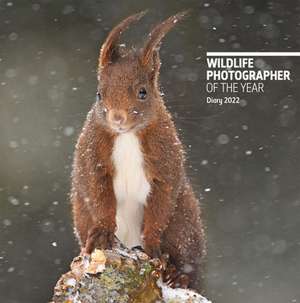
(244, 161)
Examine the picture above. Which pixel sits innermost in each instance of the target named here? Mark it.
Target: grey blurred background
(243, 159)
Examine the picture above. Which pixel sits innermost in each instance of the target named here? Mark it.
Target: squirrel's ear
(109, 46)
(156, 35)
(155, 65)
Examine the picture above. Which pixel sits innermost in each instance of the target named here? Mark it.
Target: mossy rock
(119, 275)
(109, 276)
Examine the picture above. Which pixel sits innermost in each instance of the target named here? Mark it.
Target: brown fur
(172, 215)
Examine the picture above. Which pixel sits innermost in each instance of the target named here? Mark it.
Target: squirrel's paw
(180, 281)
(174, 278)
(99, 238)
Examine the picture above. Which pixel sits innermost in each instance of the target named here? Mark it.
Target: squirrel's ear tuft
(109, 46)
(156, 35)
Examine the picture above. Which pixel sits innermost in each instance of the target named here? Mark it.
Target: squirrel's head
(128, 95)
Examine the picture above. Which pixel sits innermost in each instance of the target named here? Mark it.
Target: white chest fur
(131, 188)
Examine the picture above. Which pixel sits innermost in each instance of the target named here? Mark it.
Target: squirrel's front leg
(103, 211)
(157, 213)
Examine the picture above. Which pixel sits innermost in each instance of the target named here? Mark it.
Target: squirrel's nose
(118, 117)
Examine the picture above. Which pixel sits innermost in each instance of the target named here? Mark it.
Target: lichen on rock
(118, 275)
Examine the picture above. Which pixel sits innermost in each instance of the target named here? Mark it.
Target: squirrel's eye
(98, 97)
(142, 95)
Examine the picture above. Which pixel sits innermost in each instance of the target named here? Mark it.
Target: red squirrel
(128, 174)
